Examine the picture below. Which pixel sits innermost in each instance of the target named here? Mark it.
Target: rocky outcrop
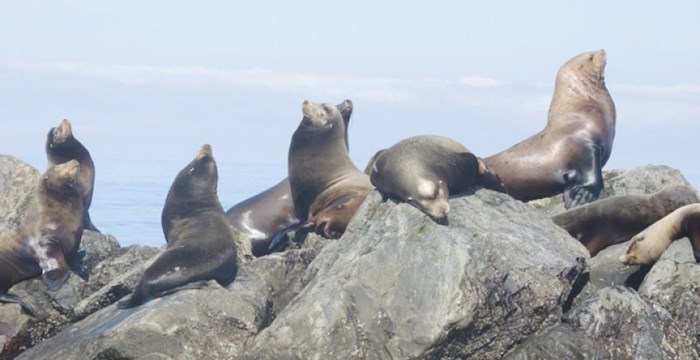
(500, 279)
(17, 183)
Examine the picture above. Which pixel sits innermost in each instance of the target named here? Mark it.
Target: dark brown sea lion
(321, 174)
(568, 154)
(648, 245)
(263, 216)
(49, 238)
(615, 219)
(200, 243)
(425, 170)
(62, 146)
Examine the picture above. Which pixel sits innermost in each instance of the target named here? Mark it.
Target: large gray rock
(399, 285)
(18, 180)
(209, 323)
(674, 284)
(616, 323)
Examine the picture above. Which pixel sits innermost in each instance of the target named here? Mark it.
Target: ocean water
(129, 193)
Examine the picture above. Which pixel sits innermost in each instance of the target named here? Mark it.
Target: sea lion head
(584, 69)
(199, 178)
(63, 179)
(321, 116)
(431, 198)
(59, 134)
(637, 253)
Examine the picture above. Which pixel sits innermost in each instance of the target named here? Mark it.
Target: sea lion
(49, 238)
(263, 216)
(200, 244)
(568, 154)
(321, 174)
(648, 245)
(62, 146)
(425, 170)
(615, 219)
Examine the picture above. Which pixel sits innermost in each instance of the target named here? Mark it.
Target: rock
(212, 323)
(644, 180)
(284, 271)
(399, 285)
(18, 180)
(674, 284)
(616, 323)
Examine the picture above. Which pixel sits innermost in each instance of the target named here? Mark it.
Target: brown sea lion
(615, 219)
(326, 186)
(200, 243)
(62, 146)
(425, 170)
(263, 216)
(49, 238)
(648, 245)
(568, 154)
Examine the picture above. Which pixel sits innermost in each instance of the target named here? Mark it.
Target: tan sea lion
(568, 154)
(648, 245)
(263, 216)
(425, 170)
(200, 243)
(615, 219)
(62, 146)
(321, 174)
(49, 238)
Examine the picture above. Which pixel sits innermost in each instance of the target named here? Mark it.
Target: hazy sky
(156, 79)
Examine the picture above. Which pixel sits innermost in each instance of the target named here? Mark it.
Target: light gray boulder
(399, 285)
(615, 323)
(209, 323)
(18, 180)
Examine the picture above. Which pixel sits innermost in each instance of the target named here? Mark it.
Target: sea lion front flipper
(282, 237)
(9, 298)
(585, 184)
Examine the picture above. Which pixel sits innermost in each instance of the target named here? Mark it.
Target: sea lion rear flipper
(282, 237)
(9, 298)
(88, 225)
(584, 184)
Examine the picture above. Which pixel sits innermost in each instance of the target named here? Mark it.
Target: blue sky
(156, 79)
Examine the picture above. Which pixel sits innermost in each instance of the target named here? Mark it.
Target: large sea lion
(200, 243)
(49, 238)
(263, 216)
(326, 186)
(568, 154)
(425, 170)
(62, 146)
(648, 245)
(615, 219)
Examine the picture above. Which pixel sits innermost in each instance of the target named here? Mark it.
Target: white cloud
(478, 81)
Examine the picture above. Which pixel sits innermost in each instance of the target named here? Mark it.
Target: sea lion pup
(200, 244)
(50, 236)
(615, 219)
(62, 146)
(648, 245)
(425, 170)
(568, 154)
(263, 216)
(326, 186)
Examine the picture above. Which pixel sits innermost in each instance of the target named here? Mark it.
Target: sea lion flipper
(87, 223)
(282, 237)
(585, 184)
(9, 298)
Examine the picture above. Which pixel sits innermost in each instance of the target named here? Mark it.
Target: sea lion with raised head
(615, 219)
(568, 154)
(263, 216)
(200, 243)
(61, 147)
(426, 170)
(648, 245)
(49, 238)
(326, 186)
